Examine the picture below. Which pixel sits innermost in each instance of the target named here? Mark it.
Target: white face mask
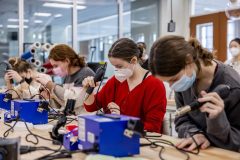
(122, 74)
(234, 51)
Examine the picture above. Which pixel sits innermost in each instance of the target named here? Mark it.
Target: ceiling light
(140, 22)
(38, 21)
(57, 15)
(81, 7)
(61, 5)
(16, 20)
(15, 26)
(57, 5)
(1, 25)
(42, 14)
(209, 9)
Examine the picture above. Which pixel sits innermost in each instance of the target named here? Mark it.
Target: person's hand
(214, 104)
(89, 82)
(114, 108)
(14, 75)
(43, 80)
(189, 145)
(7, 77)
(45, 94)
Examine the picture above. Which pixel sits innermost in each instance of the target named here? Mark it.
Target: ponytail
(200, 52)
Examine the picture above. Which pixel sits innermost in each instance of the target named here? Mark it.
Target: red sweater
(146, 101)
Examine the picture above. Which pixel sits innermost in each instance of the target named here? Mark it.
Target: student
(68, 65)
(144, 56)
(234, 48)
(193, 73)
(25, 76)
(133, 91)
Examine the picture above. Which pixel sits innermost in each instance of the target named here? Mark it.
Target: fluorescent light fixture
(209, 9)
(67, 1)
(140, 22)
(1, 25)
(16, 20)
(57, 5)
(57, 15)
(15, 26)
(81, 7)
(41, 14)
(61, 5)
(38, 21)
(12, 26)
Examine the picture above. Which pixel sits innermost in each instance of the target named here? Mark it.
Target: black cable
(50, 155)
(155, 143)
(14, 91)
(171, 10)
(6, 133)
(99, 107)
(35, 136)
(71, 120)
(197, 146)
(44, 100)
(49, 94)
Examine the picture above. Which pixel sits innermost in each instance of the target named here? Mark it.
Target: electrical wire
(99, 107)
(44, 100)
(6, 133)
(155, 141)
(14, 91)
(35, 136)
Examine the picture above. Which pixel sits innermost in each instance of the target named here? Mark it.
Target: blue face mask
(184, 83)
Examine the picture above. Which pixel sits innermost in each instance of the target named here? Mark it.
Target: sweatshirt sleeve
(155, 107)
(183, 124)
(225, 128)
(103, 97)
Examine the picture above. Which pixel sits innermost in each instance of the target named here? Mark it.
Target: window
(205, 35)
(205, 7)
(233, 32)
(48, 21)
(8, 31)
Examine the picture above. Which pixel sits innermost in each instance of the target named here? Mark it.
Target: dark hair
(235, 40)
(62, 52)
(125, 49)
(169, 55)
(19, 65)
(141, 46)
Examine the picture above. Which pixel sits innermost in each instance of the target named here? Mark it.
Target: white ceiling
(99, 18)
(206, 6)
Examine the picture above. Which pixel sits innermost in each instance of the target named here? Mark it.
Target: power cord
(35, 136)
(6, 133)
(154, 142)
(14, 91)
(40, 96)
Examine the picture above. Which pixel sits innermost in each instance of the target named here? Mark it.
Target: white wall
(181, 15)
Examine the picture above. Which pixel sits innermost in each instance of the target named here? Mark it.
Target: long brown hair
(19, 65)
(62, 52)
(125, 49)
(169, 55)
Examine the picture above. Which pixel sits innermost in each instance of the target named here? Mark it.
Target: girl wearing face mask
(25, 76)
(72, 68)
(193, 73)
(234, 48)
(132, 90)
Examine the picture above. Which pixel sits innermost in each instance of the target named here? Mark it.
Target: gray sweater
(72, 89)
(224, 130)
